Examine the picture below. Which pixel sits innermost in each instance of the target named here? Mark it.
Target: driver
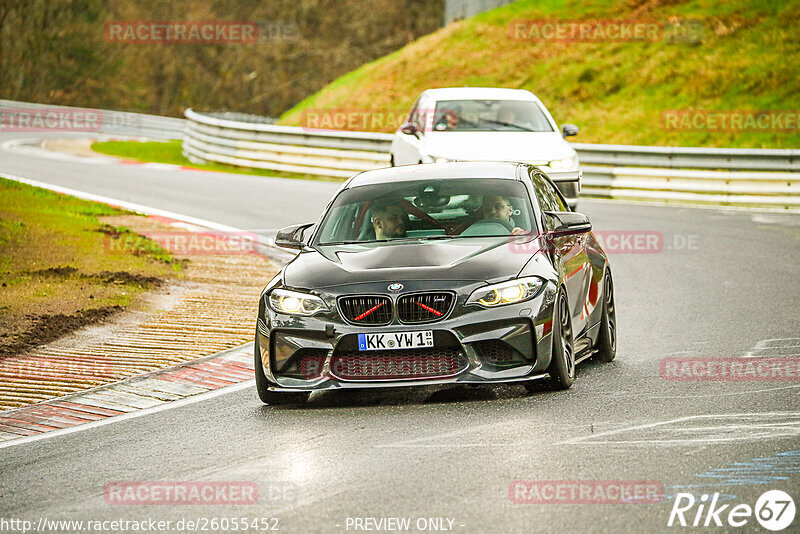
(500, 208)
(388, 220)
(449, 119)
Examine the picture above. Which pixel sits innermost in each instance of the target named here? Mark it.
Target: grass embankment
(59, 269)
(171, 152)
(747, 59)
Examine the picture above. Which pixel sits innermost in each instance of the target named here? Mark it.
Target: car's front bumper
(506, 344)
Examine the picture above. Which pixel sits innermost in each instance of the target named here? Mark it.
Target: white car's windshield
(489, 116)
(427, 209)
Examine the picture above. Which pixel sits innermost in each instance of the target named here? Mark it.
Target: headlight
(442, 160)
(294, 303)
(566, 163)
(510, 292)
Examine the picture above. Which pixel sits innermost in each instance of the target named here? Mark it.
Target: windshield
(489, 116)
(427, 209)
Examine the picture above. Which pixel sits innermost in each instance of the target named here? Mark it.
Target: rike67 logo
(774, 510)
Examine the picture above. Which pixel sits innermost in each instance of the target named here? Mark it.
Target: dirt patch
(56, 271)
(48, 328)
(121, 277)
(109, 277)
(109, 230)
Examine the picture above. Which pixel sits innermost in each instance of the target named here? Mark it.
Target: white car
(488, 124)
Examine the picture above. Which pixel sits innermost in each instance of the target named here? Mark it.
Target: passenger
(506, 115)
(500, 208)
(388, 220)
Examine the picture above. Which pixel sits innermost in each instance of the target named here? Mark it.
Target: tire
(391, 161)
(562, 366)
(606, 347)
(273, 398)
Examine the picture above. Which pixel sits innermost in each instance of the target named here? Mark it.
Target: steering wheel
(489, 224)
(449, 228)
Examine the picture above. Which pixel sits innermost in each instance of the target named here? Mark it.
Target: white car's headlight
(295, 303)
(566, 163)
(510, 292)
(442, 160)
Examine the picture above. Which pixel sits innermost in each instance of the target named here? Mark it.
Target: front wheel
(273, 398)
(562, 366)
(606, 348)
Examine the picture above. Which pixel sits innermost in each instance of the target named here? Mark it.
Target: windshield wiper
(404, 239)
(435, 237)
(352, 242)
(510, 124)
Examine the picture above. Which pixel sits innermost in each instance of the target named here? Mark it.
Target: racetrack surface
(725, 285)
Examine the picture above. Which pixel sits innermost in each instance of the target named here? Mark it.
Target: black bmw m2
(468, 273)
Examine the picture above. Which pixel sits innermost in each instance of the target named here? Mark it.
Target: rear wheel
(391, 161)
(606, 348)
(562, 366)
(273, 397)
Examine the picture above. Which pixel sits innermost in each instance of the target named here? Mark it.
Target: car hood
(470, 259)
(532, 147)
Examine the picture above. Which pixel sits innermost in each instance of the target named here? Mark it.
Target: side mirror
(292, 236)
(568, 130)
(568, 223)
(410, 128)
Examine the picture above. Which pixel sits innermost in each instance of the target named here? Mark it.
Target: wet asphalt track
(724, 284)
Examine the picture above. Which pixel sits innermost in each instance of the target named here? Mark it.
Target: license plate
(396, 340)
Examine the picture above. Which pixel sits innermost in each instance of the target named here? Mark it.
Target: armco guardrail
(111, 122)
(767, 189)
(688, 157)
(750, 177)
(283, 148)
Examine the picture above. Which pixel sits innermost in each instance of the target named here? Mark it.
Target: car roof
(445, 171)
(480, 93)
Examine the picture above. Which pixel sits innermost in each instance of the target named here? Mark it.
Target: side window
(556, 197)
(544, 195)
(547, 196)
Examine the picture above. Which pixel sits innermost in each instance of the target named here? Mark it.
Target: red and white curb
(226, 371)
